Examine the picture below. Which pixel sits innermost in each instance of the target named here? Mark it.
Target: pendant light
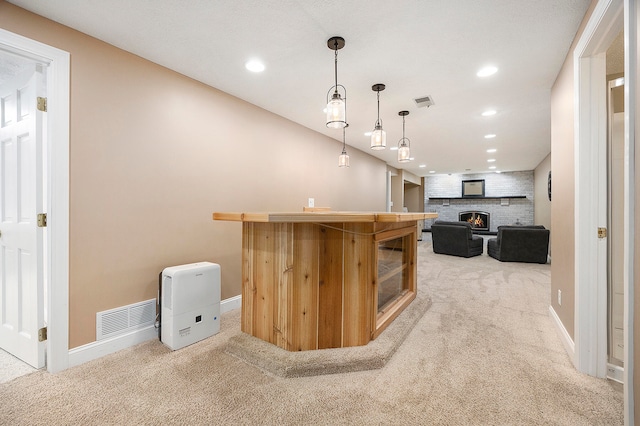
(378, 136)
(343, 159)
(336, 105)
(404, 149)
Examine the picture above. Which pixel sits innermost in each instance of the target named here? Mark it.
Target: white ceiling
(414, 47)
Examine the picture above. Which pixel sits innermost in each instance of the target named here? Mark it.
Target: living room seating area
(513, 243)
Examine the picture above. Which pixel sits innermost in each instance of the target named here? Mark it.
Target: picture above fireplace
(473, 188)
(479, 220)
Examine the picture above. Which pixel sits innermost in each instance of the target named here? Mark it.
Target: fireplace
(478, 220)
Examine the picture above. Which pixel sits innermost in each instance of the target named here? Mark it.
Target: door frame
(631, 69)
(590, 140)
(57, 261)
(607, 19)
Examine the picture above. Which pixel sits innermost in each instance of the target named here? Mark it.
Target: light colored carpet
(484, 353)
(11, 367)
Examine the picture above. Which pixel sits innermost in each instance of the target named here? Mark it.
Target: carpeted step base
(374, 355)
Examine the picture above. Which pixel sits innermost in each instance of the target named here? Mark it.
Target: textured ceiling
(415, 47)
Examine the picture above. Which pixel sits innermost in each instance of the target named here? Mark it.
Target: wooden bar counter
(315, 280)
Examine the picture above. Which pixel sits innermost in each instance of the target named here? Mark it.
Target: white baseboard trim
(616, 373)
(98, 349)
(565, 338)
(231, 304)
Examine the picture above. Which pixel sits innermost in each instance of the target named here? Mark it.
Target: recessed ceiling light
(492, 167)
(422, 166)
(489, 112)
(393, 148)
(254, 65)
(411, 158)
(491, 160)
(491, 150)
(367, 134)
(490, 136)
(498, 171)
(432, 171)
(487, 71)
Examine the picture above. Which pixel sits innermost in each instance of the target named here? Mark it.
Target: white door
(21, 199)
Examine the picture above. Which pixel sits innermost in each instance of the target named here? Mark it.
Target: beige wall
(153, 154)
(412, 196)
(542, 205)
(406, 191)
(562, 191)
(397, 192)
(410, 177)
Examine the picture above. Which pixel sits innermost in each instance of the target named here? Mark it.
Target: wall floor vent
(125, 319)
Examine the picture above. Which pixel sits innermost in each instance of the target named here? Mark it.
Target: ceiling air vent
(424, 101)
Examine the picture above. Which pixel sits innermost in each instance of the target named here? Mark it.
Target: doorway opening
(23, 183)
(56, 166)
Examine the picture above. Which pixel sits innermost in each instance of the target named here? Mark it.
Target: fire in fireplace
(478, 220)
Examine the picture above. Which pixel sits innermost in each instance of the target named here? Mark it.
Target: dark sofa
(455, 238)
(520, 244)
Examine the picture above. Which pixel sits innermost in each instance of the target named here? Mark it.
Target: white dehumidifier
(190, 303)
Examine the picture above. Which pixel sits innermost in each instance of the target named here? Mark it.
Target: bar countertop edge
(322, 216)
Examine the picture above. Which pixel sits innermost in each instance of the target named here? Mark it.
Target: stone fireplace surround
(508, 198)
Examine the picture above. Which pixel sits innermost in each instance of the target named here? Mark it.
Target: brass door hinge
(42, 104)
(602, 233)
(42, 220)
(42, 334)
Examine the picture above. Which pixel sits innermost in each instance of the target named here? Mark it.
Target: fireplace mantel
(477, 198)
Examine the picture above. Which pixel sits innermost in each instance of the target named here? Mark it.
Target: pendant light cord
(336, 64)
(344, 140)
(378, 121)
(403, 128)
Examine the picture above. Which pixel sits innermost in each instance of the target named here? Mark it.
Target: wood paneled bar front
(315, 280)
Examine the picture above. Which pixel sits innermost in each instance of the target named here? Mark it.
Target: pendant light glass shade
(336, 102)
(404, 145)
(378, 136)
(336, 112)
(343, 159)
(404, 153)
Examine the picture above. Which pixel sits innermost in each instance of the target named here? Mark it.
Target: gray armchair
(455, 238)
